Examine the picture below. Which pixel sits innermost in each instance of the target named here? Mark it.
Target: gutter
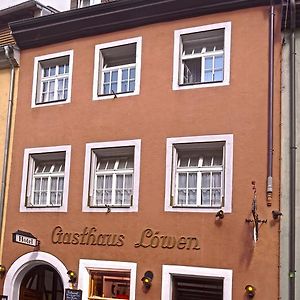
(116, 16)
(9, 54)
(292, 175)
(270, 106)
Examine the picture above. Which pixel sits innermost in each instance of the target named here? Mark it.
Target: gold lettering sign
(149, 238)
(154, 239)
(88, 236)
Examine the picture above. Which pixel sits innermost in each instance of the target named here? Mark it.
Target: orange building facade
(135, 150)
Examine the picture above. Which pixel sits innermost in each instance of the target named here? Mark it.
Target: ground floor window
(107, 279)
(193, 283)
(109, 284)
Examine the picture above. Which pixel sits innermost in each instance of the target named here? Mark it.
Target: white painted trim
(27, 153)
(136, 176)
(97, 70)
(23, 264)
(228, 170)
(86, 265)
(176, 55)
(37, 60)
(169, 270)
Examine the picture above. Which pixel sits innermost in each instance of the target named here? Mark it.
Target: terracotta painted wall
(156, 114)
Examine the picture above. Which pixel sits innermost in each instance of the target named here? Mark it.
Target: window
(112, 176)
(108, 284)
(202, 56)
(84, 3)
(107, 279)
(117, 69)
(52, 79)
(199, 173)
(45, 179)
(186, 283)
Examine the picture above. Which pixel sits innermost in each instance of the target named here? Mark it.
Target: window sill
(56, 102)
(39, 209)
(188, 86)
(196, 209)
(115, 96)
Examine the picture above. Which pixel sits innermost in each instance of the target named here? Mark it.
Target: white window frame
(26, 172)
(169, 270)
(87, 265)
(177, 55)
(227, 139)
(136, 175)
(94, 2)
(37, 78)
(98, 68)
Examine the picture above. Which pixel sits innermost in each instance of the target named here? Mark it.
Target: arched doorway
(22, 266)
(42, 282)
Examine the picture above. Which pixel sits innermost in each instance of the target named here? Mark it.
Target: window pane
(219, 62)
(124, 87)
(132, 73)
(52, 71)
(181, 197)
(106, 77)
(182, 180)
(46, 72)
(216, 197)
(205, 197)
(124, 74)
(205, 180)
(216, 179)
(208, 76)
(114, 87)
(106, 88)
(218, 76)
(100, 182)
(208, 63)
(192, 197)
(192, 70)
(45, 86)
(131, 86)
(61, 69)
(114, 76)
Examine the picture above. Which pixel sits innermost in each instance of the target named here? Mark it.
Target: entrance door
(41, 283)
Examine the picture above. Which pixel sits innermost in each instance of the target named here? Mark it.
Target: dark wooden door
(41, 283)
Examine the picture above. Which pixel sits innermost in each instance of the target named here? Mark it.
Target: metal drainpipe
(292, 235)
(8, 53)
(270, 106)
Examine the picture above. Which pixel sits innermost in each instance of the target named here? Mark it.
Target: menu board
(73, 294)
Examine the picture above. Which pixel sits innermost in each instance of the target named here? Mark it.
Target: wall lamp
(72, 276)
(147, 279)
(250, 290)
(2, 271)
(220, 214)
(276, 214)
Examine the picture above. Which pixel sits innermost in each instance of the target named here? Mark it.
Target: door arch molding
(23, 264)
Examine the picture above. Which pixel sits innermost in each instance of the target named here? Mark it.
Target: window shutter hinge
(171, 201)
(131, 200)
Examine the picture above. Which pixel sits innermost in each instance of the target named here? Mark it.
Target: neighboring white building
(60, 5)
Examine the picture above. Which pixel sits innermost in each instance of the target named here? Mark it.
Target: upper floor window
(117, 69)
(112, 176)
(202, 56)
(45, 179)
(52, 79)
(84, 3)
(199, 173)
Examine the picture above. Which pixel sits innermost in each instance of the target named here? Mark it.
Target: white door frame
(23, 264)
